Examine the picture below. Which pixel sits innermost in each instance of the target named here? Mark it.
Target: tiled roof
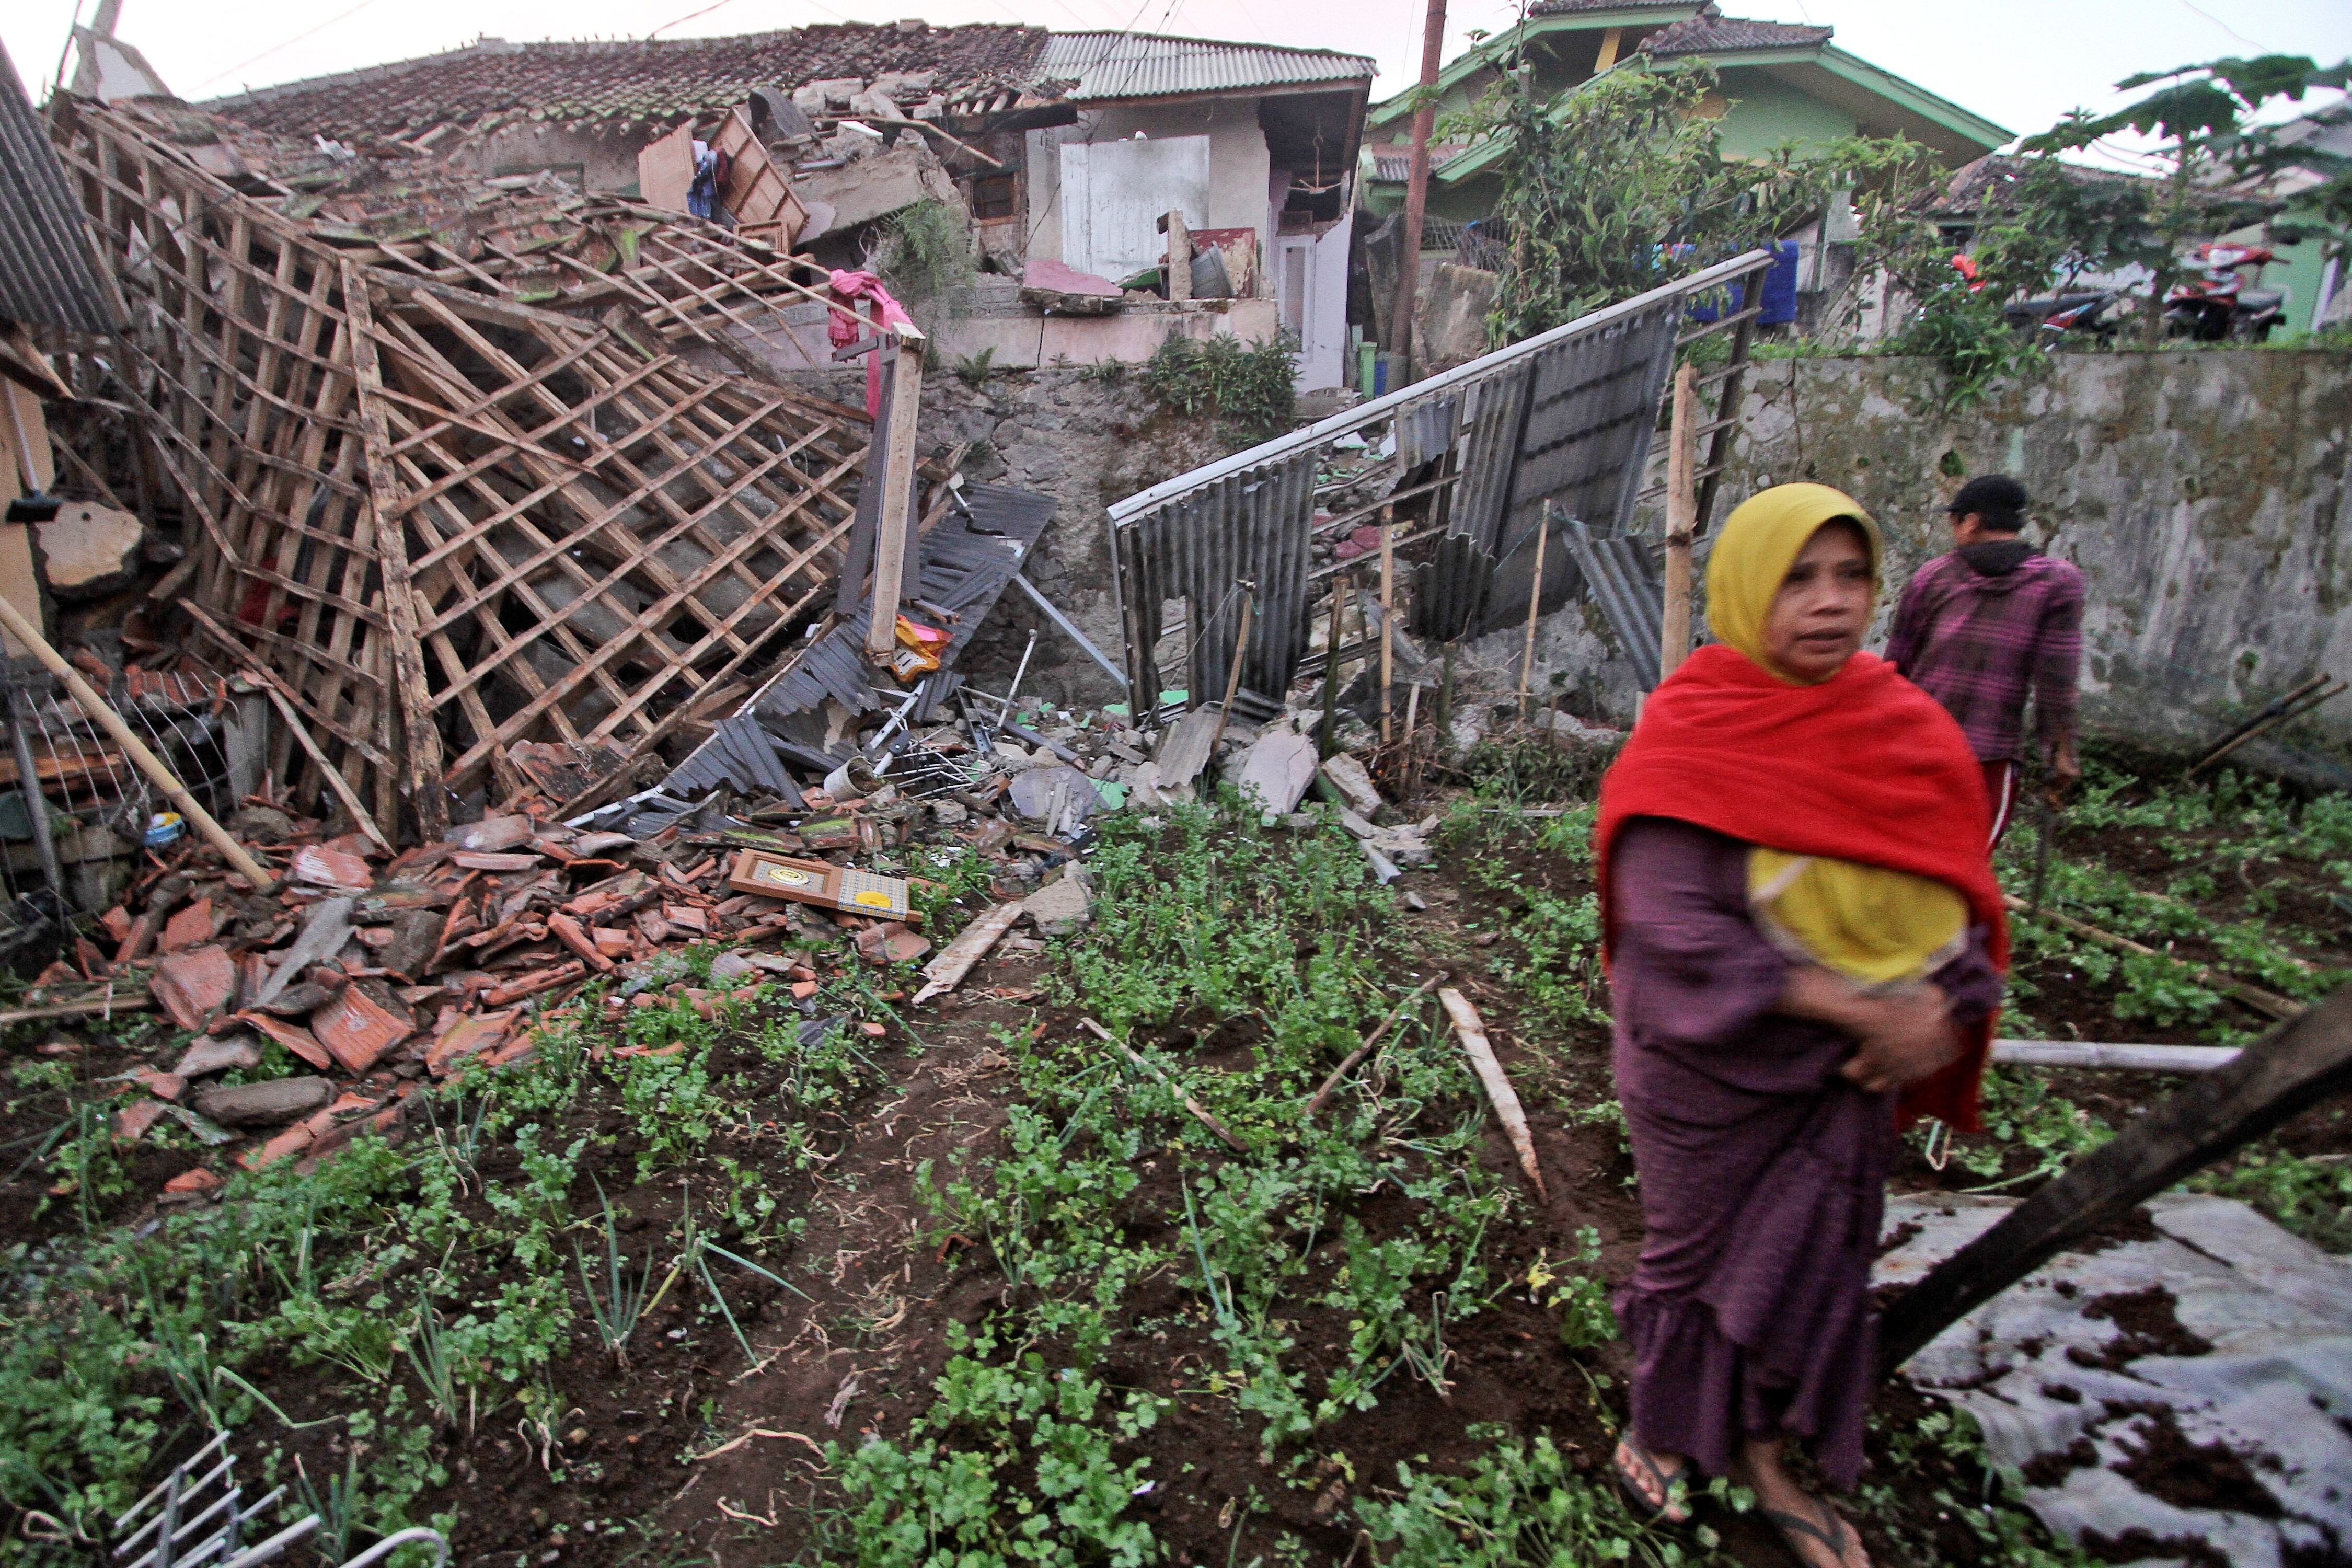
(1571, 7)
(1397, 167)
(640, 80)
(1973, 186)
(1110, 66)
(1712, 33)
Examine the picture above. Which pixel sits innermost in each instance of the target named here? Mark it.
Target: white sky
(2021, 63)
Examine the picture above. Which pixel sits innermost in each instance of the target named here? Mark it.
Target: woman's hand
(1911, 1037)
(1905, 1036)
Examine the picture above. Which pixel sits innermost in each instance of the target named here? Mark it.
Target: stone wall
(1085, 437)
(2205, 495)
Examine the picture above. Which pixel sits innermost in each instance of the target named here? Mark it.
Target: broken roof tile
(193, 986)
(357, 1029)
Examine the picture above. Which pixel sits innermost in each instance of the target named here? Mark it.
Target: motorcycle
(2050, 317)
(2215, 305)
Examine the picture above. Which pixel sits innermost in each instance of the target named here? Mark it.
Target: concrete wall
(2205, 495)
(607, 156)
(1239, 167)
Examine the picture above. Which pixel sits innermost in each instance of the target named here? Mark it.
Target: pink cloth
(841, 328)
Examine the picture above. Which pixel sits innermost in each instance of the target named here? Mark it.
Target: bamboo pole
(2254, 996)
(1323, 1095)
(1472, 1032)
(1535, 608)
(1681, 524)
(103, 715)
(1388, 618)
(1234, 676)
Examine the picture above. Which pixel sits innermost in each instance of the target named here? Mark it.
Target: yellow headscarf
(1759, 542)
(1873, 925)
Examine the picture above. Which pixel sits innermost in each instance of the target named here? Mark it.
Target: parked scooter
(2051, 317)
(2214, 305)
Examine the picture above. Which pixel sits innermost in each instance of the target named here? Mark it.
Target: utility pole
(1416, 191)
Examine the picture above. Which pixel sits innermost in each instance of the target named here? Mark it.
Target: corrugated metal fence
(1564, 418)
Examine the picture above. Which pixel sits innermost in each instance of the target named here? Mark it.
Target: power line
(289, 44)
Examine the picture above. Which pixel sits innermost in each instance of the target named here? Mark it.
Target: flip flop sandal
(1791, 1526)
(1631, 1489)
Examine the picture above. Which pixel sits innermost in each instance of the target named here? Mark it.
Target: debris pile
(450, 453)
(382, 972)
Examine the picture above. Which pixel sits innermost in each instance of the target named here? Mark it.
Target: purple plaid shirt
(1980, 643)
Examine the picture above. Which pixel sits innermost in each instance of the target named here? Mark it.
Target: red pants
(2002, 780)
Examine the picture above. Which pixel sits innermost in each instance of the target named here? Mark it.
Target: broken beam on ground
(2288, 1070)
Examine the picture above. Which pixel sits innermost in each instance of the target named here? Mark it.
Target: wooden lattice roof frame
(449, 521)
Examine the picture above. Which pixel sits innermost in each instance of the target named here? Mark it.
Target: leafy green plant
(925, 252)
(1520, 1505)
(1249, 389)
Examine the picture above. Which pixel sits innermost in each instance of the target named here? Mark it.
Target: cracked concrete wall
(2204, 494)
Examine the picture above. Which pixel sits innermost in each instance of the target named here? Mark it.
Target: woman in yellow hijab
(1805, 940)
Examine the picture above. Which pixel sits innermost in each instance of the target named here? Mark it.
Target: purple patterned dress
(1763, 1174)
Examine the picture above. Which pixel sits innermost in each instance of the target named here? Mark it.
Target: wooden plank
(1472, 1032)
(420, 750)
(892, 542)
(2287, 1071)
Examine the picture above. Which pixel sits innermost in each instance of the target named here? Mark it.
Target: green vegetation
(433, 1286)
(1239, 1318)
(1249, 389)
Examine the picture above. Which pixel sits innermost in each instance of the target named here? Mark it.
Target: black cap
(1996, 498)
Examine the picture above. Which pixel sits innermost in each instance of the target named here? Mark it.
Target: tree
(2218, 156)
(1615, 186)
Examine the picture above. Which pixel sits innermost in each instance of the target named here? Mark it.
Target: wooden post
(1681, 524)
(1180, 256)
(1416, 192)
(891, 536)
(1234, 676)
(420, 739)
(103, 715)
(1388, 617)
(1331, 671)
(2292, 1068)
(1535, 607)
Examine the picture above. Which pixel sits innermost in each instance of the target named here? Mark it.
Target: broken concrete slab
(1184, 749)
(1059, 908)
(269, 1104)
(1275, 770)
(1348, 776)
(878, 185)
(87, 551)
(1054, 287)
(323, 935)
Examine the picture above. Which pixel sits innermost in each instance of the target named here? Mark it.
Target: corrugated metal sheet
(1562, 420)
(47, 276)
(968, 562)
(1624, 577)
(1105, 65)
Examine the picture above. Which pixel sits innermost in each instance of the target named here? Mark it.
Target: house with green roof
(1779, 83)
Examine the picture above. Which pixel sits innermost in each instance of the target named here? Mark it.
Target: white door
(1115, 193)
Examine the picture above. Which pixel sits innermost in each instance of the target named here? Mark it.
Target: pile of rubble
(383, 971)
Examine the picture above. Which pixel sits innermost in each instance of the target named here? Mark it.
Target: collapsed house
(445, 472)
(1061, 154)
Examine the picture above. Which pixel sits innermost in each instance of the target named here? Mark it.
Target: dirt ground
(691, 1451)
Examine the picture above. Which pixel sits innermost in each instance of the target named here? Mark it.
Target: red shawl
(1864, 767)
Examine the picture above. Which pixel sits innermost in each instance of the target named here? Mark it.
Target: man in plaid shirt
(1986, 627)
